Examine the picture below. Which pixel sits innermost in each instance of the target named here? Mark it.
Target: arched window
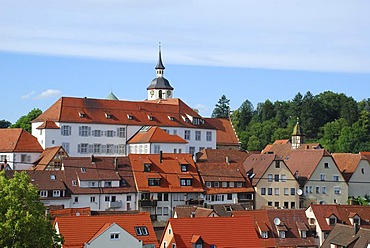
(160, 94)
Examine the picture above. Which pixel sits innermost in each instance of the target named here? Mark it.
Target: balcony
(147, 203)
(116, 204)
(195, 202)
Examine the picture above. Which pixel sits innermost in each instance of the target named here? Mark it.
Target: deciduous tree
(25, 120)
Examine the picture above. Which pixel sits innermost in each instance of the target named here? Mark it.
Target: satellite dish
(277, 221)
(299, 192)
(78, 214)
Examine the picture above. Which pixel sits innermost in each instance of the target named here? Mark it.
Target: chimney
(356, 227)
(160, 156)
(116, 163)
(227, 160)
(192, 215)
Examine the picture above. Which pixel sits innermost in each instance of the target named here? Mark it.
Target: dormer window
(303, 233)
(282, 234)
(332, 220)
(154, 181)
(130, 117)
(108, 115)
(141, 231)
(228, 208)
(147, 167)
(171, 118)
(83, 169)
(52, 177)
(150, 117)
(264, 234)
(184, 167)
(82, 114)
(209, 184)
(186, 182)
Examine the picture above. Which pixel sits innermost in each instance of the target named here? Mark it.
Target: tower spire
(160, 65)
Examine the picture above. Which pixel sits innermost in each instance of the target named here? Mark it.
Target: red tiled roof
(342, 212)
(67, 109)
(226, 135)
(168, 169)
(305, 161)
(258, 164)
(102, 169)
(48, 125)
(220, 155)
(18, 140)
(78, 230)
(67, 212)
(155, 135)
(286, 141)
(47, 156)
(212, 231)
(347, 163)
(47, 180)
(186, 211)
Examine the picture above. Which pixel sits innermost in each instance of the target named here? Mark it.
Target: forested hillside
(335, 120)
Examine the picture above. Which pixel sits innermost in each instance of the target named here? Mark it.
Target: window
(282, 234)
(264, 235)
(157, 149)
(92, 199)
(154, 181)
(263, 191)
(197, 135)
(159, 211)
(141, 231)
(362, 170)
(356, 220)
(175, 150)
(286, 204)
(303, 234)
(52, 177)
(323, 189)
(276, 178)
(74, 183)
(65, 145)
(107, 198)
(162, 196)
(185, 182)
(277, 204)
(317, 189)
(292, 205)
(335, 178)
(121, 132)
(239, 184)
(84, 131)
(110, 133)
(283, 178)
(286, 191)
(337, 190)
(109, 148)
(269, 203)
(76, 199)
(277, 164)
(209, 136)
(187, 135)
(322, 177)
(56, 193)
(276, 191)
(165, 211)
(208, 184)
(97, 133)
(114, 236)
(269, 191)
(229, 197)
(216, 184)
(65, 130)
(192, 150)
(231, 184)
(25, 158)
(332, 221)
(269, 177)
(43, 193)
(164, 244)
(292, 191)
(326, 165)
(82, 148)
(122, 149)
(174, 245)
(184, 167)
(91, 184)
(224, 184)
(128, 198)
(107, 184)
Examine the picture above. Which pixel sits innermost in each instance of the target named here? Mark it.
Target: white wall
(360, 180)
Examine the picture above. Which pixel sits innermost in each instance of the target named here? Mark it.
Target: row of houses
(317, 226)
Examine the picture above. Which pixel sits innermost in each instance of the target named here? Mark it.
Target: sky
(245, 49)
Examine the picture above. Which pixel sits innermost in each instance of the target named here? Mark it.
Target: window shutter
(93, 133)
(104, 149)
(89, 131)
(79, 148)
(115, 149)
(79, 131)
(105, 133)
(117, 132)
(61, 130)
(69, 130)
(114, 133)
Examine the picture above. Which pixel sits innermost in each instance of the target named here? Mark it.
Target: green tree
(25, 120)
(5, 124)
(22, 215)
(222, 108)
(331, 132)
(265, 111)
(242, 116)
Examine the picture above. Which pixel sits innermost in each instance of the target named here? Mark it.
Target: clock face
(152, 92)
(168, 93)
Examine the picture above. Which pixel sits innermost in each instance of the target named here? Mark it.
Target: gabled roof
(283, 148)
(47, 156)
(48, 125)
(344, 236)
(223, 172)
(258, 164)
(226, 135)
(78, 230)
(223, 209)
(222, 155)
(347, 163)
(18, 140)
(98, 169)
(212, 231)
(67, 110)
(168, 171)
(187, 211)
(342, 212)
(304, 162)
(155, 135)
(67, 212)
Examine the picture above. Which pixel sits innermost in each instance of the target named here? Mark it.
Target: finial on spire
(160, 64)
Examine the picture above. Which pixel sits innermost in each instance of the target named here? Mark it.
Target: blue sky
(245, 49)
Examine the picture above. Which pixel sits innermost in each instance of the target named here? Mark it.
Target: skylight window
(52, 177)
(141, 231)
(108, 115)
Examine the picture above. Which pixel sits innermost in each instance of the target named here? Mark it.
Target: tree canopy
(25, 120)
(222, 108)
(335, 120)
(22, 215)
(5, 123)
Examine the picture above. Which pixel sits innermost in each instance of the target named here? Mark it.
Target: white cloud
(28, 95)
(203, 109)
(259, 34)
(48, 93)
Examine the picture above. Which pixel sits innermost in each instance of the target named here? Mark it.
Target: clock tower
(160, 87)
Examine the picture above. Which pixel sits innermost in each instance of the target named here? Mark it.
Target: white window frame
(65, 130)
(157, 149)
(198, 135)
(208, 136)
(43, 193)
(121, 131)
(56, 193)
(115, 236)
(187, 134)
